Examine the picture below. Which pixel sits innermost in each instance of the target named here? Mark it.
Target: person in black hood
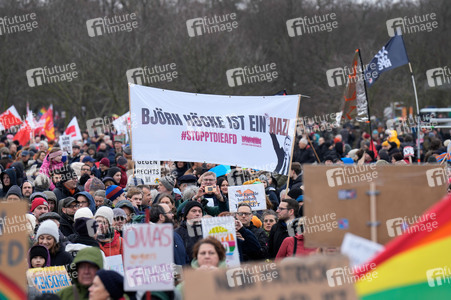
(84, 232)
(180, 168)
(19, 167)
(8, 179)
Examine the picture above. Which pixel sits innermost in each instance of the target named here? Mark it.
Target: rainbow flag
(417, 264)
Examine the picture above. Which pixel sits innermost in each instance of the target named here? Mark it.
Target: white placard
(223, 229)
(149, 171)
(115, 263)
(358, 249)
(148, 257)
(66, 143)
(252, 194)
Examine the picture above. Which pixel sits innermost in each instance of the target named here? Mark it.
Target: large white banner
(253, 132)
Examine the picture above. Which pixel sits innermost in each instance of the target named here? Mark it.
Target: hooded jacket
(19, 167)
(12, 178)
(92, 203)
(77, 291)
(62, 192)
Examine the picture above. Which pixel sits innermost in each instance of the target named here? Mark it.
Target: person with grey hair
(41, 183)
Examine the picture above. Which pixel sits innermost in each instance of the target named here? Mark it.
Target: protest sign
(149, 171)
(66, 143)
(13, 250)
(254, 132)
(358, 249)
(312, 277)
(223, 229)
(115, 263)
(252, 194)
(48, 280)
(148, 257)
(337, 200)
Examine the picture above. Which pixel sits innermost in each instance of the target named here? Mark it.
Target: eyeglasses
(74, 206)
(243, 214)
(208, 180)
(119, 219)
(282, 208)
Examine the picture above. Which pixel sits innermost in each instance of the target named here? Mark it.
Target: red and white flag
(74, 130)
(10, 118)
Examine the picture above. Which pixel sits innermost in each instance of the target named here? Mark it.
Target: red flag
(10, 118)
(23, 135)
(73, 129)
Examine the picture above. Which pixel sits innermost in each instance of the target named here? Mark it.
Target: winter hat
(39, 250)
(38, 194)
(105, 212)
(113, 283)
(84, 178)
(114, 191)
(119, 212)
(189, 205)
(168, 182)
(50, 196)
(42, 182)
(127, 150)
(83, 212)
(105, 161)
(94, 184)
(81, 226)
(48, 227)
(14, 190)
(106, 179)
(67, 173)
(125, 203)
(67, 201)
(296, 194)
(49, 216)
(38, 201)
(121, 161)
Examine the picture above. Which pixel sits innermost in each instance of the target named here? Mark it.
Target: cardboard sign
(66, 143)
(312, 277)
(13, 250)
(403, 193)
(223, 229)
(148, 257)
(359, 250)
(114, 263)
(149, 171)
(48, 280)
(252, 194)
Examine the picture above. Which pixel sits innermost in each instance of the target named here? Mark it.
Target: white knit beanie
(48, 227)
(105, 212)
(83, 212)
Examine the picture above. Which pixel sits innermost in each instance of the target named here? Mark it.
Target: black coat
(66, 225)
(61, 258)
(262, 238)
(277, 234)
(188, 240)
(62, 192)
(304, 156)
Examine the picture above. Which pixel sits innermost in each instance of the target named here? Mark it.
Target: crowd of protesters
(96, 184)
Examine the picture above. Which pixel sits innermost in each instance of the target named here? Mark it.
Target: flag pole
(418, 112)
(292, 144)
(367, 103)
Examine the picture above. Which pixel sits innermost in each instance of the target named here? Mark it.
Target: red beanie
(38, 201)
(105, 161)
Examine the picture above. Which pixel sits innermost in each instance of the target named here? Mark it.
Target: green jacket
(91, 255)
